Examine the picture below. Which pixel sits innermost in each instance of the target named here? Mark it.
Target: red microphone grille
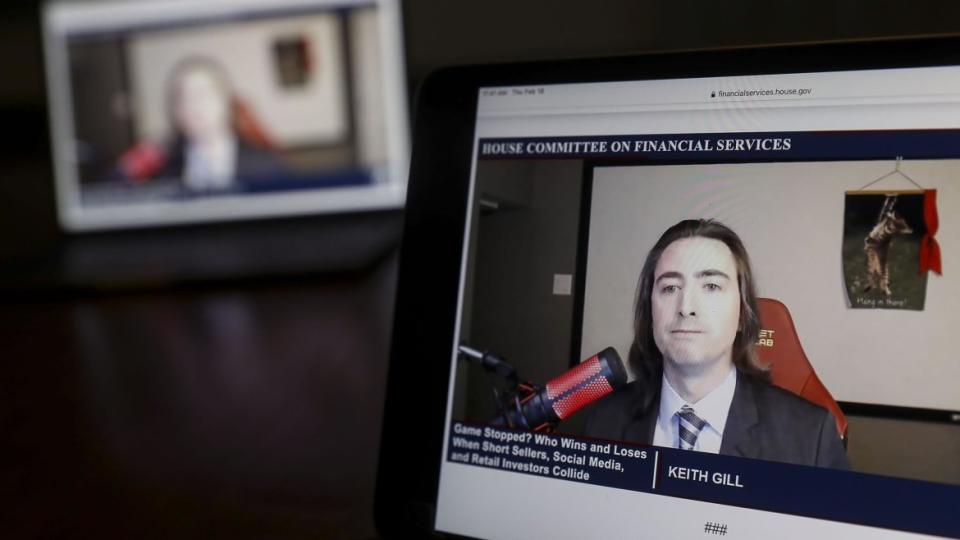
(578, 387)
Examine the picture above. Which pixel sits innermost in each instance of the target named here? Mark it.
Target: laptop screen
(177, 112)
(709, 307)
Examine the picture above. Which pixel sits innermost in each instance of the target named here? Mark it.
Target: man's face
(696, 303)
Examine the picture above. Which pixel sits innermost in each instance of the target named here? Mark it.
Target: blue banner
(845, 496)
(760, 146)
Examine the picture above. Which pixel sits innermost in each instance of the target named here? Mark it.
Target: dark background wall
(530, 236)
(252, 409)
(441, 33)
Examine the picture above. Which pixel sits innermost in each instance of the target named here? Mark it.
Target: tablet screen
(177, 112)
(709, 307)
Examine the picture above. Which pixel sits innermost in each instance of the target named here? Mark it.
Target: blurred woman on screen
(216, 144)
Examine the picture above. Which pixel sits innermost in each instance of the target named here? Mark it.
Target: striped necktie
(690, 426)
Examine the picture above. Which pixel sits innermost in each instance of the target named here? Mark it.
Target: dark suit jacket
(252, 164)
(765, 422)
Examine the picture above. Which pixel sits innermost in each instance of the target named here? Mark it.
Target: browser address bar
(492, 109)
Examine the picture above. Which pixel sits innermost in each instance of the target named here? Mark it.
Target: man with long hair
(700, 385)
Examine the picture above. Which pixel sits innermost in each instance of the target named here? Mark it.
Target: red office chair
(790, 369)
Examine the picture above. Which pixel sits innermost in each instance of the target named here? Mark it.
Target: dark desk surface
(203, 412)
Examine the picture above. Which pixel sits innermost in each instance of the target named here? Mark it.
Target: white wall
(311, 114)
(790, 216)
(365, 43)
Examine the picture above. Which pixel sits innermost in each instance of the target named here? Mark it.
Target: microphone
(567, 393)
(490, 362)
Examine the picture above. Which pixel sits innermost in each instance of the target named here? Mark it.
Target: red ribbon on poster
(929, 248)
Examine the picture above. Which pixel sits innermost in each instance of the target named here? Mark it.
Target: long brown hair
(645, 358)
(243, 121)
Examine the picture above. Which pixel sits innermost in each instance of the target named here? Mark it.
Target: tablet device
(174, 112)
(686, 295)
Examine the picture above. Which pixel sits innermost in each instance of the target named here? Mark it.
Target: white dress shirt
(210, 166)
(713, 408)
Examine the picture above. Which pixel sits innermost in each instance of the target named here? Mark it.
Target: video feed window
(218, 111)
(224, 107)
(717, 307)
